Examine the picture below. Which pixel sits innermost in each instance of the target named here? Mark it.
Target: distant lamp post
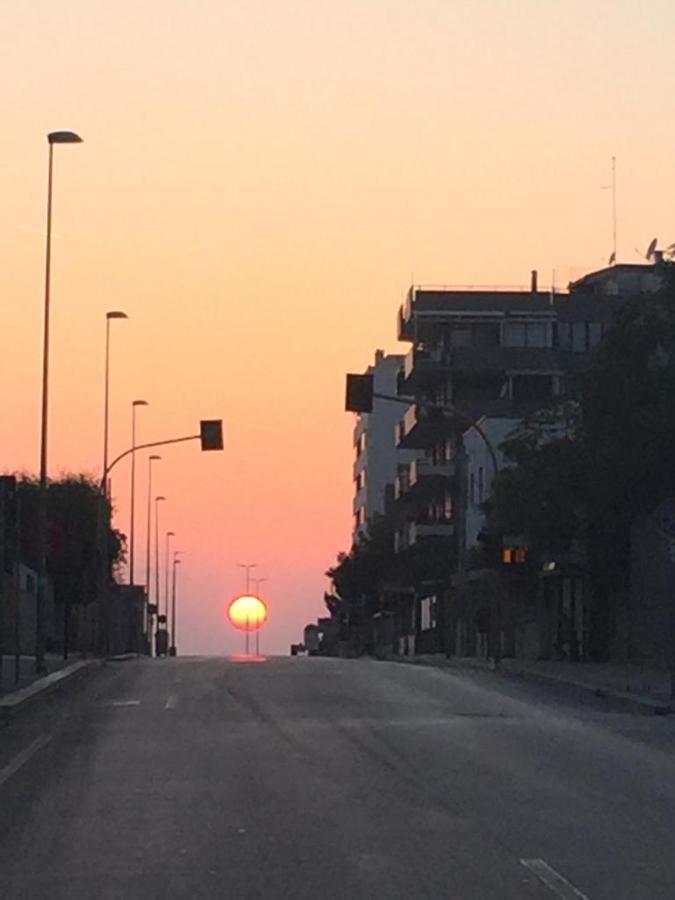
(256, 588)
(176, 562)
(132, 528)
(158, 500)
(167, 564)
(55, 137)
(148, 549)
(248, 567)
(109, 316)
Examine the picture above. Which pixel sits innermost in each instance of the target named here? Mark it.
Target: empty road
(319, 778)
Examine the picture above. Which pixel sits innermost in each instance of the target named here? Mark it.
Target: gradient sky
(258, 184)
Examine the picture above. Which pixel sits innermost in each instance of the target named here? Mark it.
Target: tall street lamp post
(109, 316)
(148, 551)
(158, 500)
(176, 562)
(55, 137)
(167, 564)
(132, 528)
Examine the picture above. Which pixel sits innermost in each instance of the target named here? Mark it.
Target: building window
(525, 334)
(531, 387)
(460, 337)
(594, 333)
(513, 334)
(579, 337)
(564, 335)
(536, 334)
(427, 613)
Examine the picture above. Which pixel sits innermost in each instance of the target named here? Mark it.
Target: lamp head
(63, 137)
(116, 314)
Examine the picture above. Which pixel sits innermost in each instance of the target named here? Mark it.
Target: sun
(247, 612)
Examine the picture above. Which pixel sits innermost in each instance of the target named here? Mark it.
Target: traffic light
(359, 393)
(211, 434)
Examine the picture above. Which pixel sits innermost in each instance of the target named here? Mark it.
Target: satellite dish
(650, 250)
(612, 259)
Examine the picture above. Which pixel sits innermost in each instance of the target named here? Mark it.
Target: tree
(586, 483)
(628, 435)
(73, 508)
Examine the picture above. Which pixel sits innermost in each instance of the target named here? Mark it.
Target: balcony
(412, 534)
(422, 470)
(421, 426)
(422, 477)
(423, 365)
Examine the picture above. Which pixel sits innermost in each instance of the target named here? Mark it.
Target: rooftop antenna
(612, 187)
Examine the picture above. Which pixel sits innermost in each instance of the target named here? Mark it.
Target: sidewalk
(27, 670)
(624, 681)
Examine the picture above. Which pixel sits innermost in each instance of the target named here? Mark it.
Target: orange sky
(258, 182)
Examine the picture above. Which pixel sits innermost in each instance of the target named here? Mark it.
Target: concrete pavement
(319, 778)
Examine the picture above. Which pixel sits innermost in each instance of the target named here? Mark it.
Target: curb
(18, 701)
(657, 707)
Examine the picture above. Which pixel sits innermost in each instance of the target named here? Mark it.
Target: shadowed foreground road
(312, 778)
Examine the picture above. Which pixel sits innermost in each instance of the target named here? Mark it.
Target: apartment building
(377, 456)
(490, 357)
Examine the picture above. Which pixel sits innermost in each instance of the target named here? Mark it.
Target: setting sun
(247, 612)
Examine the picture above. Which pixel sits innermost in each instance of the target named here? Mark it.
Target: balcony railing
(427, 468)
(414, 532)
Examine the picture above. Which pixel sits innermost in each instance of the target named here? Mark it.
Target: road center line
(553, 880)
(171, 702)
(22, 758)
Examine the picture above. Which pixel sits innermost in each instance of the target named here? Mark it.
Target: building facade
(377, 456)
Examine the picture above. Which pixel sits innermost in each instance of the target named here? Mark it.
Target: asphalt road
(313, 778)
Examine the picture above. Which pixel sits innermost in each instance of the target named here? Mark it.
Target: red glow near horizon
(247, 612)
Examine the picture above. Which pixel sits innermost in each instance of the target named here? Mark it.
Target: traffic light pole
(211, 436)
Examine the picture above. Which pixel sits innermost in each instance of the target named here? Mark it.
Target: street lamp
(109, 316)
(257, 582)
(132, 529)
(55, 137)
(169, 535)
(248, 567)
(148, 553)
(158, 500)
(176, 562)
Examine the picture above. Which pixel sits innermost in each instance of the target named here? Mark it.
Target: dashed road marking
(121, 703)
(22, 758)
(171, 702)
(553, 880)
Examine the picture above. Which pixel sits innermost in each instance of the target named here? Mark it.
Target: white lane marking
(171, 702)
(22, 758)
(553, 880)
(124, 703)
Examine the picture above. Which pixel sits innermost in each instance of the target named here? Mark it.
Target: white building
(377, 457)
(480, 469)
